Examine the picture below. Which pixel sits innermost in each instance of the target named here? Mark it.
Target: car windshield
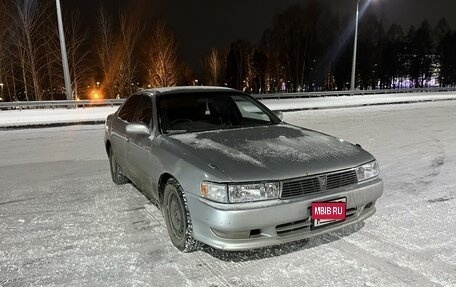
(194, 112)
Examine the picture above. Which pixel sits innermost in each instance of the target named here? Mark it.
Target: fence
(351, 93)
(113, 102)
(60, 104)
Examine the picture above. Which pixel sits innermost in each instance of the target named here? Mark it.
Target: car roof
(184, 89)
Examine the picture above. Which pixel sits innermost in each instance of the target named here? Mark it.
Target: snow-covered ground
(355, 101)
(63, 222)
(99, 114)
(49, 116)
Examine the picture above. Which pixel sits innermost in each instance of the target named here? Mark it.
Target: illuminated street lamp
(355, 47)
(98, 85)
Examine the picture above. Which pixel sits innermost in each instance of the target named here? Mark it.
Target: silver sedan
(228, 172)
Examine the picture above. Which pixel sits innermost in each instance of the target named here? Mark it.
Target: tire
(177, 217)
(116, 173)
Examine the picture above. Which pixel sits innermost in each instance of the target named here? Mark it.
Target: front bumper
(254, 225)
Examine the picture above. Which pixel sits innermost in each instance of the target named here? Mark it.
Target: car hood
(272, 152)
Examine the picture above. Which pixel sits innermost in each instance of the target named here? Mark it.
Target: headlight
(237, 193)
(367, 171)
(253, 192)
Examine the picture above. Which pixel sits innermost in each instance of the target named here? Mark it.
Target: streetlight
(66, 70)
(98, 85)
(355, 47)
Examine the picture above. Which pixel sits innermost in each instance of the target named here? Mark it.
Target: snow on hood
(274, 148)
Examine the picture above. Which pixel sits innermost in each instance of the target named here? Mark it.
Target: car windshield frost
(195, 112)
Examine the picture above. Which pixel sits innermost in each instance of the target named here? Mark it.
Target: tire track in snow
(440, 265)
(209, 266)
(203, 261)
(206, 264)
(379, 259)
(402, 274)
(202, 265)
(437, 162)
(150, 211)
(130, 190)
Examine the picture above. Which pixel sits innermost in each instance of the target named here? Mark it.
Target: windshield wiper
(246, 126)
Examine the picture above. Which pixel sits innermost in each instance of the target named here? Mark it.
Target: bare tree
(161, 58)
(115, 50)
(3, 35)
(106, 51)
(23, 65)
(214, 66)
(187, 76)
(130, 31)
(238, 62)
(28, 21)
(76, 36)
(19, 58)
(10, 81)
(52, 77)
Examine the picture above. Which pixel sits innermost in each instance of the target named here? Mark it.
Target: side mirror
(279, 114)
(137, 129)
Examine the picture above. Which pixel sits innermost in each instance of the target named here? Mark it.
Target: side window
(144, 111)
(127, 112)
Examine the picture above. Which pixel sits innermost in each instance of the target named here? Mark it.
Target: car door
(139, 147)
(119, 135)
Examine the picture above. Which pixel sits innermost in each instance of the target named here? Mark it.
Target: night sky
(202, 24)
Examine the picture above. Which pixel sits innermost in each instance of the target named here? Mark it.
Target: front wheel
(177, 217)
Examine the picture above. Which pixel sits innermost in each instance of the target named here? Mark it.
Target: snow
(63, 222)
(268, 144)
(354, 101)
(302, 148)
(215, 146)
(49, 116)
(99, 114)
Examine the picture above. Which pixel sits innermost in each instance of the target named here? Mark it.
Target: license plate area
(328, 212)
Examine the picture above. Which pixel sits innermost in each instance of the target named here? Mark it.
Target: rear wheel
(116, 173)
(177, 217)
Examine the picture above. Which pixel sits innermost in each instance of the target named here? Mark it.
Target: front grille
(341, 179)
(300, 187)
